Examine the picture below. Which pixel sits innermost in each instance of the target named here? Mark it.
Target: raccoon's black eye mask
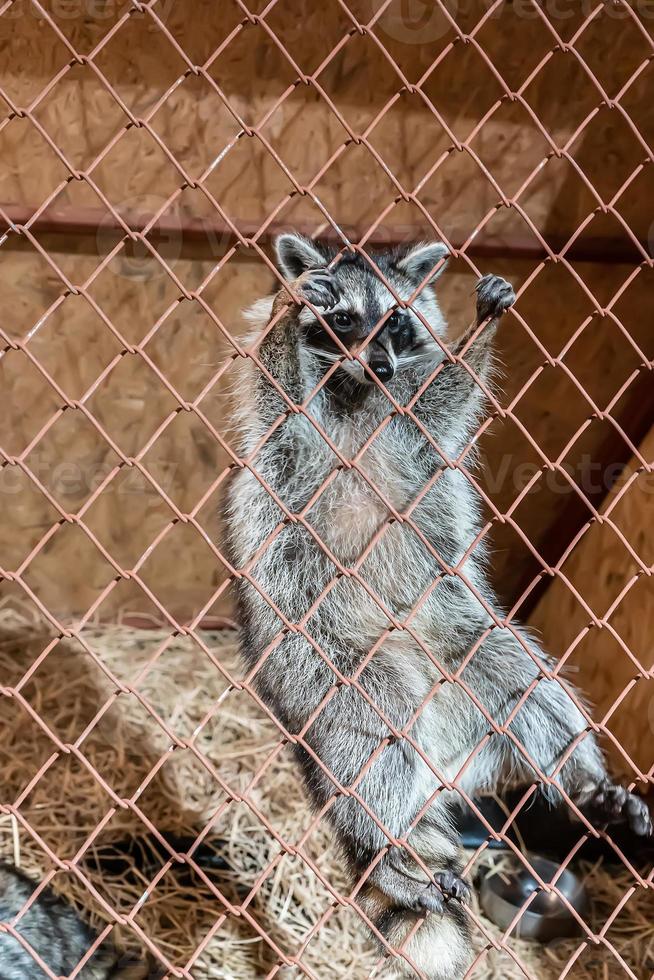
(396, 332)
(401, 330)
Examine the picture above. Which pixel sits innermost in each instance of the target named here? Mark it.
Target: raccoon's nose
(382, 369)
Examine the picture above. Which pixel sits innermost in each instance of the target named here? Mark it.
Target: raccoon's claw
(453, 886)
(318, 286)
(429, 899)
(614, 804)
(448, 887)
(494, 296)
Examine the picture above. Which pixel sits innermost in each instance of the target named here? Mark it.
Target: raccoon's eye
(394, 321)
(342, 321)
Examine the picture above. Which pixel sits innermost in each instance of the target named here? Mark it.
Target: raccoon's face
(367, 319)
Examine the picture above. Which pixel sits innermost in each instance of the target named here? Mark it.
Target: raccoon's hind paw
(419, 894)
(318, 286)
(448, 887)
(494, 297)
(614, 804)
(453, 886)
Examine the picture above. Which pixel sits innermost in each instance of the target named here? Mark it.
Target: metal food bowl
(547, 917)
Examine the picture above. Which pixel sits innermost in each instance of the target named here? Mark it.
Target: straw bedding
(118, 739)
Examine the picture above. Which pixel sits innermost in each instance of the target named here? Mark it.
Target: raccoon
(369, 625)
(52, 929)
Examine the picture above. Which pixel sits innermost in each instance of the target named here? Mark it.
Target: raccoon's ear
(420, 259)
(296, 254)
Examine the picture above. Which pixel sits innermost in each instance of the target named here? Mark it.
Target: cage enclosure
(150, 152)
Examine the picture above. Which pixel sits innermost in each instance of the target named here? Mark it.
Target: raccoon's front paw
(494, 297)
(319, 287)
(611, 804)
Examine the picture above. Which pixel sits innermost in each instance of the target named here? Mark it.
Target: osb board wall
(613, 656)
(141, 64)
(75, 346)
(132, 404)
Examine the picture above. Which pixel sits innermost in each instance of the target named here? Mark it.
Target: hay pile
(117, 736)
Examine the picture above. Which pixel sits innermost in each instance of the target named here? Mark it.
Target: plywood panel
(608, 630)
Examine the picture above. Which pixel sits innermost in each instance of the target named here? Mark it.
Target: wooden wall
(68, 574)
(609, 630)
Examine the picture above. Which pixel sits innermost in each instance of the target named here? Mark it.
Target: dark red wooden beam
(214, 235)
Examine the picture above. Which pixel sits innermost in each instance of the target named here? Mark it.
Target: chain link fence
(153, 231)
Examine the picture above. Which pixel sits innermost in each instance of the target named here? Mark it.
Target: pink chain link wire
(252, 243)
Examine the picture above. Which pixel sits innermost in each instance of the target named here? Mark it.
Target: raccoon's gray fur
(439, 652)
(52, 928)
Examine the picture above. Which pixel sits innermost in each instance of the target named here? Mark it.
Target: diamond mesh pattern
(135, 232)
